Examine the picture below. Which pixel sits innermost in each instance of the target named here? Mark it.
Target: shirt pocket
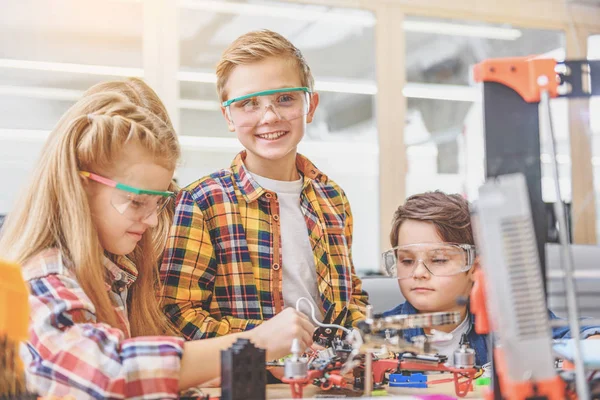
(339, 251)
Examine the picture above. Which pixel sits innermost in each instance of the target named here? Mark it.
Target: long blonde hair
(54, 210)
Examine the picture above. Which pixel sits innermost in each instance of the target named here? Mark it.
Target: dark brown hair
(449, 213)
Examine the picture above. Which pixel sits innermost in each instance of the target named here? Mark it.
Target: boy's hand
(276, 335)
(277, 372)
(316, 347)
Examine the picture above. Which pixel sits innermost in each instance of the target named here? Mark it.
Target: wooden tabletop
(282, 391)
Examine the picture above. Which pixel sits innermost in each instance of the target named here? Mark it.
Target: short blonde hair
(256, 46)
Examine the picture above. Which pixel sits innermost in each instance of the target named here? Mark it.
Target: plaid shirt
(70, 354)
(221, 271)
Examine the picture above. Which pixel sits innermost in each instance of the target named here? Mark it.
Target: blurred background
(399, 113)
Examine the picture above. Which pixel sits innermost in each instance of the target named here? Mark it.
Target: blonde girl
(89, 232)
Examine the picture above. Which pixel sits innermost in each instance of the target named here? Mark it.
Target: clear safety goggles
(440, 259)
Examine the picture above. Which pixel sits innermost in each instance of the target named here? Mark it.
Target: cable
(583, 392)
(314, 318)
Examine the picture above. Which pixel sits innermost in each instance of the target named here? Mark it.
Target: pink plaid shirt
(70, 354)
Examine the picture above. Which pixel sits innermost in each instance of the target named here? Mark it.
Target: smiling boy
(254, 238)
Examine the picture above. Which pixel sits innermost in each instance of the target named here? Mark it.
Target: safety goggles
(287, 104)
(131, 202)
(440, 259)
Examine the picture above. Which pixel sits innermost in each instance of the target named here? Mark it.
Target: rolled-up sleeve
(70, 354)
(188, 276)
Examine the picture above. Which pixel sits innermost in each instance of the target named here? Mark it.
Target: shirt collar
(121, 272)
(251, 190)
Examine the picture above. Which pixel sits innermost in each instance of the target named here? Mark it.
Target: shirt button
(276, 267)
(276, 217)
(268, 195)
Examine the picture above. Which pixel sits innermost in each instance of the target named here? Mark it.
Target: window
(338, 45)
(444, 131)
(77, 43)
(49, 54)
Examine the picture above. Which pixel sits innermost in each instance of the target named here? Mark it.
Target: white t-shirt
(298, 263)
(448, 347)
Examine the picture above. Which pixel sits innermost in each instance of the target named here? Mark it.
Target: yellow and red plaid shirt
(221, 271)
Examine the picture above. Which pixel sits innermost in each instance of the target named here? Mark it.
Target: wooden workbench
(282, 391)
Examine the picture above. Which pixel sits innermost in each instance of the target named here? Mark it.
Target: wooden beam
(582, 172)
(161, 53)
(391, 111)
(360, 4)
(548, 14)
(535, 14)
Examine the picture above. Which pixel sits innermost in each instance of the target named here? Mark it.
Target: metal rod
(368, 381)
(583, 392)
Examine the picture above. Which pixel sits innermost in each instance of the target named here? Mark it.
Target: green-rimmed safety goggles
(286, 103)
(135, 204)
